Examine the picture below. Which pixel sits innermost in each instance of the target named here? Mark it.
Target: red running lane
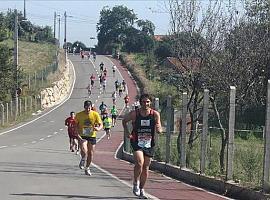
(157, 185)
(132, 88)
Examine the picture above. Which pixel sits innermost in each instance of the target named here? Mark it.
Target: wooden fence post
(2, 114)
(156, 103)
(266, 164)
(25, 104)
(7, 116)
(183, 131)
(168, 129)
(230, 146)
(204, 131)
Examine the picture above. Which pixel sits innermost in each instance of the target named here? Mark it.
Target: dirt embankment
(137, 73)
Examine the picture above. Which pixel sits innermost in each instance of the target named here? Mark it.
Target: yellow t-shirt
(107, 123)
(86, 123)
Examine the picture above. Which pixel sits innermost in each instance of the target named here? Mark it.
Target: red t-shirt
(70, 123)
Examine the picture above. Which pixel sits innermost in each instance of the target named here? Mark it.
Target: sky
(84, 15)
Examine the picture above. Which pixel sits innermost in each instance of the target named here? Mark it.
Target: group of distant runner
(83, 54)
(83, 126)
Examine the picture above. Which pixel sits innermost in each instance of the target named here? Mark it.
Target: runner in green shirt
(114, 113)
(107, 123)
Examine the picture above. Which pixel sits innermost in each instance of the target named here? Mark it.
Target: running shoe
(142, 194)
(77, 152)
(136, 190)
(87, 171)
(82, 163)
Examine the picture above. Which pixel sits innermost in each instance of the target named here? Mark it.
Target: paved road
(35, 162)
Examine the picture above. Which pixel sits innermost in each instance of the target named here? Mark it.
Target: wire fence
(28, 103)
(225, 153)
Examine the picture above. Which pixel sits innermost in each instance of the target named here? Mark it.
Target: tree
(44, 34)
(163, 49)
(6, 72)
(78, 46)
(198, 41)
(112, 24)
(3, 29)
(146, 27)
(137, 41)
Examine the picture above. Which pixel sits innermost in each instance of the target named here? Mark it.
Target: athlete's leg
(108, 133)
(70, 143)
(139, 160)
(145, 169)
(83, 147)
(90, 153)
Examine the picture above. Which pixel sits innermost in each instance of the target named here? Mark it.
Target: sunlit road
(35, 162)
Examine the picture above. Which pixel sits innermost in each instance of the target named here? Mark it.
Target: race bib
(87, 131)
(145, 122)
(144, 141)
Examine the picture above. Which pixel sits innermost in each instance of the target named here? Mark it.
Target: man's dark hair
(87, 103)
(147, 96)
(72, 112)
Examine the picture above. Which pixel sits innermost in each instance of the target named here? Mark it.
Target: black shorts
(114, 116)
(92, 82)
(107, 129)
(92, 140)
(146, 151)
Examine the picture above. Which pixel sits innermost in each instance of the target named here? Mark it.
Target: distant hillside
(34, 56)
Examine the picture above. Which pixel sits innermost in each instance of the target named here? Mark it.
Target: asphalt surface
(35, 161)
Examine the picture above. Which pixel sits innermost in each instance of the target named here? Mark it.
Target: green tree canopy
(6, 73)
(112, 24)
(146, 27)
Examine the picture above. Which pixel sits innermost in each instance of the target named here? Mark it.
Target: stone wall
(59, 90)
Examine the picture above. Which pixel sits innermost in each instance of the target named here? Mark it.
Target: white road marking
(48, 136)
(33, 142)
(41, 139)
(1, 147)
(115, 177)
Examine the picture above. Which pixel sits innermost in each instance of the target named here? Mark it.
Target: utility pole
(65, 39)
(59, 30)
(24, 10)
(16, 61)
(54, 25)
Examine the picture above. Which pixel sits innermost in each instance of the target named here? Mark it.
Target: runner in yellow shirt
(87, 123)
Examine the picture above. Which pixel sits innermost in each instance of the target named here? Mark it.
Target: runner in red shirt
(126, 99)
(92, 78)
(73, 138)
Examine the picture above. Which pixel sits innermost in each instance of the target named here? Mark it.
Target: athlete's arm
(99, 125)
(76, 131)
(158, 123)
(127, 118)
